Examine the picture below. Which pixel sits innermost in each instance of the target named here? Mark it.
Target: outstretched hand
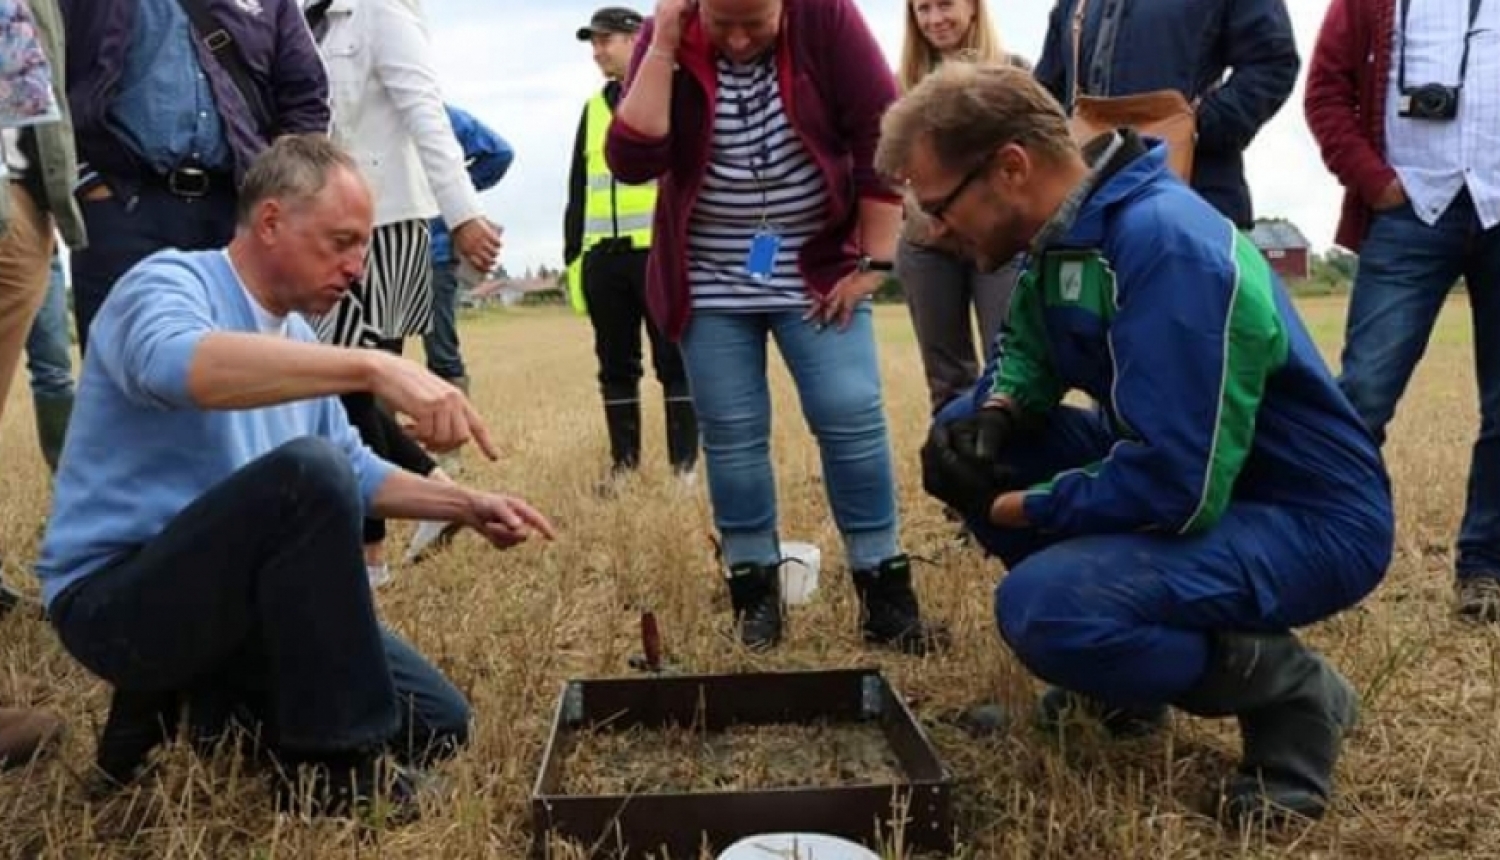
(506, 521)
(442, 417)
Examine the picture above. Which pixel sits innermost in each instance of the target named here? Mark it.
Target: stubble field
(1420, 778)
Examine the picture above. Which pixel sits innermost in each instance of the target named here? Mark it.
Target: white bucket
(799, 571)
(797, 846)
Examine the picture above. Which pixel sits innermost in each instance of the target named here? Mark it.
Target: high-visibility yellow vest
(611, 210)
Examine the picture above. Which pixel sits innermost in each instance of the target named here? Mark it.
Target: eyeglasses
(938, 209)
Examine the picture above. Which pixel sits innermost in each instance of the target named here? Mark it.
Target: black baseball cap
(611, 19)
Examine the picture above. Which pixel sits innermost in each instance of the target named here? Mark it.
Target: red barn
(1284, 247)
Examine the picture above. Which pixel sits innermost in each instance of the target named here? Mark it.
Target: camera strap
(1463, 62)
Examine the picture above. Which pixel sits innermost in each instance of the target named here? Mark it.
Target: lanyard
(759, 91)
(1463, 63)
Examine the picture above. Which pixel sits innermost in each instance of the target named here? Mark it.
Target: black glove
(996, 427)
(952, 473)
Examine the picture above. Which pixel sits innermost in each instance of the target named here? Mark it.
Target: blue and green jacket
(1154, 305)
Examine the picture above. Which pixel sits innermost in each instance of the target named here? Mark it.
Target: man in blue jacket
(1162, 546)
(166, 128)
(488, 157)
(1234, 60)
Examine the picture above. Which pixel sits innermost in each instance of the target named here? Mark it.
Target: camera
(1429, 101)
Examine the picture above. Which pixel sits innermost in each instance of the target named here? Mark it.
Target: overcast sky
(515, 65)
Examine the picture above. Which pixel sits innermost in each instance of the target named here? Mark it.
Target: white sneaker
(379, 574)
(430, 534)
(451, 465)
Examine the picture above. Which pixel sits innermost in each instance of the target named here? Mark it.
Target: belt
(192, 182)
(621, 245)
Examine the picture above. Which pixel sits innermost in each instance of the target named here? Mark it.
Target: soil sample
(640, 760)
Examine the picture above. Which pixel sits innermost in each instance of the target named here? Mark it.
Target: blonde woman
(944, 291)
(938, 30)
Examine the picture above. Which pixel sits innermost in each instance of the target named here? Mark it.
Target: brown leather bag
(1164, 114)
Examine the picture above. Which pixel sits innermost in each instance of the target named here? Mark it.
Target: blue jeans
(1125, 618)
(122, 233)
(838, 383)
(1406, 270)
(48, 359)
(441, 342)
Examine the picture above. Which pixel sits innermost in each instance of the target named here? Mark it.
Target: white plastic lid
(797, 846)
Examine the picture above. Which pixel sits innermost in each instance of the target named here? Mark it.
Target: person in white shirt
(388, 112)
(1403, 97)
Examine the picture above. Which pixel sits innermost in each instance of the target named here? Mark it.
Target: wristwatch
(866, 263)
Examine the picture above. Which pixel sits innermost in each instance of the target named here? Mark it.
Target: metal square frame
(628, 827)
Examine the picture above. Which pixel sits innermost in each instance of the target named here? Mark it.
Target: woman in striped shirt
(759, 119)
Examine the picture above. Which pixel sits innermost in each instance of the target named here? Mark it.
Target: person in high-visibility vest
(606, 239)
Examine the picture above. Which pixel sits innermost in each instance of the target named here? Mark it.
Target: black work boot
(52, 416)
(1294, 710)
(138, 723)
(755, 592)
(888, 609)
(352, 785)
(682, 434)
(1058, 707)
(623, 419)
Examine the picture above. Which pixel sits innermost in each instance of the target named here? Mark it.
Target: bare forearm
(879, 227)
(647, 105)
(231, 370)
(413, 497)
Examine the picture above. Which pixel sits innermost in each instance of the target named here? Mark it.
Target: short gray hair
(294, 168)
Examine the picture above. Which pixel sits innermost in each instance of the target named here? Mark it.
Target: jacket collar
(1122, 163)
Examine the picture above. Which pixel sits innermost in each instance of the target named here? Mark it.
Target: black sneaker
(889, 614)
(755, 591)
(138, 723)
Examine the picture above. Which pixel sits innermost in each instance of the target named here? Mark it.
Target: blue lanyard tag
(760, 263)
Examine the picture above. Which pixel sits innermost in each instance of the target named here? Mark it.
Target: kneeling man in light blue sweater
(205, 538)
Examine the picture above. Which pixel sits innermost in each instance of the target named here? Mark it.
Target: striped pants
(395, 299)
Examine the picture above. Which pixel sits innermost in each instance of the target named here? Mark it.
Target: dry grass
(1420, 779)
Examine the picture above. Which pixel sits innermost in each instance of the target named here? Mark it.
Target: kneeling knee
(1048, 632)
(318, 471)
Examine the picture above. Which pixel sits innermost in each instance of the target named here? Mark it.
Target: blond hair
(918, 58)
(965, 110)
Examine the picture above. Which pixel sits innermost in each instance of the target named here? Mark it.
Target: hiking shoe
(889, 614)
(1058, 708)
(1479, 598)
(755, 592)
(138, 723)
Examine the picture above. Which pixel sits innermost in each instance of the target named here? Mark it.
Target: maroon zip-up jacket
(835, 85)
(1344, 101)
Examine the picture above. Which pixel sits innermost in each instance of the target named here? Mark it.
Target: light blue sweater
(138, 449)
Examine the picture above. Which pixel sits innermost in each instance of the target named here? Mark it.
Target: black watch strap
(867, 263)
